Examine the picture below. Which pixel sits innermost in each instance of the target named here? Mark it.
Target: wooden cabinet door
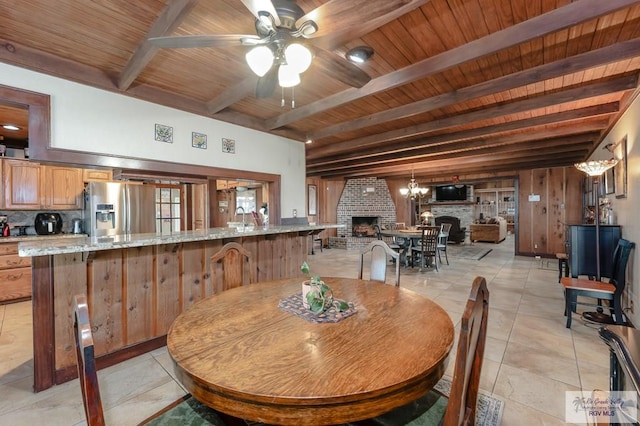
(62, 188)
(21, 185)
(90, 175)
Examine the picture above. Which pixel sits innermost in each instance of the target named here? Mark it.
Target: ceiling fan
(280, 50)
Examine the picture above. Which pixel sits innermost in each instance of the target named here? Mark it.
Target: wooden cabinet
(21, 182)
(15, 274)
(90, 175)
(62, 188)
(32, 186)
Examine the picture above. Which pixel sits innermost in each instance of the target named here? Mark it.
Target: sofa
(456, 233)
(494, 231)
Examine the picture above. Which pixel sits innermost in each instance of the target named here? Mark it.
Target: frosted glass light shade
(287, 76)
(596, 167)
(260, 60)
(298, 57)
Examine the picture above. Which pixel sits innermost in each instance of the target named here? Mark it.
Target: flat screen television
(451, 193)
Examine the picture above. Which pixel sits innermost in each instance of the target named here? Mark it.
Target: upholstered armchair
(456, 234)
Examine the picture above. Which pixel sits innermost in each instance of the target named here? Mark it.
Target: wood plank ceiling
(458, 87)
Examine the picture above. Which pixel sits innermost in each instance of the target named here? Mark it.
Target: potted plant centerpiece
(317, 296)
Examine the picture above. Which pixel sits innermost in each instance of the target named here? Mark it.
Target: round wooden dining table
(242, 355)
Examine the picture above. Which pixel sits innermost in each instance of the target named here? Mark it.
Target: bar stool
(563, 265)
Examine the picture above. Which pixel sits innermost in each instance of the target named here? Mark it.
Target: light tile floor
(531, 359)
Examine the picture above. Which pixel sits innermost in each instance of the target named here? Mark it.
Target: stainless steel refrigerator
(114, 208)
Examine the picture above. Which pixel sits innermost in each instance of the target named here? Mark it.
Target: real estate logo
(600, 407)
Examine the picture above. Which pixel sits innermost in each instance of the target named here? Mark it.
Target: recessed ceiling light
(10, 127)
(360, 54)
(308, 141)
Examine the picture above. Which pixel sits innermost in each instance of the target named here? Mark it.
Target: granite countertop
(33, 237)
(69, 243)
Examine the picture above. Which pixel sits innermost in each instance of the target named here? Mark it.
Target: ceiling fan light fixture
(260, 60)
(360, 54)
(287, 76)
(298, 57)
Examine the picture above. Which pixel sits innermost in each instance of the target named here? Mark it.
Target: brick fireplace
(363, 203)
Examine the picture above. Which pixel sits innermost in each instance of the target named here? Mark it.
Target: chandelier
(413, 190)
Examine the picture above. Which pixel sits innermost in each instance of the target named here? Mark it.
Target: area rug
(468, 252)
(489, 409)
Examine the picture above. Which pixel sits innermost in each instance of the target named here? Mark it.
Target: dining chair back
(232, 267)
(463, 399)
(185, 410)
(459, 408)
(443, 237)
(612, 291)
(86, 362)
(425, 248)
(376, 229)
(380, 253)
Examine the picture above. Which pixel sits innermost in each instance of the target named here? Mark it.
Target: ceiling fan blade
(218, 40)
(256, 6)
(339, 21)
(339, 68)
(267, 83)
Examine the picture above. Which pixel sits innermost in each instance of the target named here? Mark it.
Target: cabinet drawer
(14, 261)
(10, 248)
(15, 284)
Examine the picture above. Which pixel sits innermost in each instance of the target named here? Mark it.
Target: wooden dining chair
(232, 267)
(443, 237)
(611, 291)
(185, 410)
(459, 408)
(426, 247)
(380, 252)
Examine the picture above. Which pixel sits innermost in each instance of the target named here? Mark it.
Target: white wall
(93, 120)
(626, 209)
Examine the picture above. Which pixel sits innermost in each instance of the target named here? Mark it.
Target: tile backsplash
(28, 217)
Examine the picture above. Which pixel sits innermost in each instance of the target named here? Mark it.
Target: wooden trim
(43, 324)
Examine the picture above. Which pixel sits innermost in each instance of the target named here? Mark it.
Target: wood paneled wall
(541, 224)
(329, 192)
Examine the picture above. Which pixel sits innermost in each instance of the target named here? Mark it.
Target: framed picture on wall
(312, 200)
(620, 169)
(609, 182)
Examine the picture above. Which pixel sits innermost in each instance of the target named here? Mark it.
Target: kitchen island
(136, 286)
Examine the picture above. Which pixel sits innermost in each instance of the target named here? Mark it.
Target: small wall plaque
(198, 140)
(228, 146)
(164, 133)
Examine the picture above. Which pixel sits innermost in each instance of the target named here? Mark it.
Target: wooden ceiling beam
(170, 18)
(465, 167)
(547, 23)
(572, 94)
(559, 140)
(565, 66)
(233, 94)
(602, 110)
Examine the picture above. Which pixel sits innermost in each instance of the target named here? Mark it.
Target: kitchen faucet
(244, 224)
